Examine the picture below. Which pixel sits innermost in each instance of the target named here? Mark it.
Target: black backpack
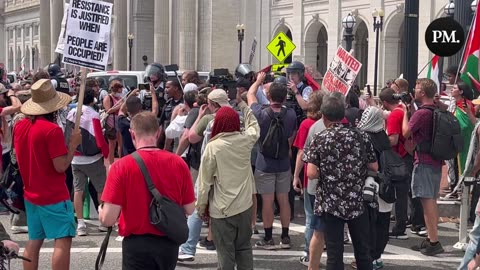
(447, 140)
(394, 172)
(275, 145)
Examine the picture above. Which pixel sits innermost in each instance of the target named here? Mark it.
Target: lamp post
(348, 24)
(241, 35)
(130, 38)
(377, 28)
(33, 58)
(449, 9)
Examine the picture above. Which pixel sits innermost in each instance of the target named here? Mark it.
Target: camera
(404, 97)
(370, 189)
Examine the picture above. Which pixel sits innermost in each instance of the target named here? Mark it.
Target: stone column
(44, 33)
(187, 34)
(32, 46)
(120, 35)
(56, 16)
(161, 42)
(22, 48)
(15, 49)
(297, 34)
(4, 44)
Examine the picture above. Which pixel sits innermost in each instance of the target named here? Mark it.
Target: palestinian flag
(433, 71)
(470, 63)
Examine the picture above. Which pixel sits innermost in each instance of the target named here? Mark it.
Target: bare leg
(267, 210)
(316, 250)
(32, 250)
(111, 154)
(78, 204)
(61, 254)
(285, 212)
(254, 210)
(430, 212)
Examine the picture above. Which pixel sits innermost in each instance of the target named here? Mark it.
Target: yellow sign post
(281, 47)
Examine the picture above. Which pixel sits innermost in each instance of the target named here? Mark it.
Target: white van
(131, 79)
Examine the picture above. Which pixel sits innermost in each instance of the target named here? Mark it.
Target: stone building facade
(202, 35)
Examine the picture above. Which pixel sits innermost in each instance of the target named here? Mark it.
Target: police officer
(299, 91)
(58, 80)
(245, 71)
(155, 74)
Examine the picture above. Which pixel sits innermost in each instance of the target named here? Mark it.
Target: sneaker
(285, 243)
(19, 229)
(432, 250)
(400, 236)
(378, 264)
(205, 244)
(421, 246)
(102, 228)
(266, 244)
(304, 260)
(182, 257)
(420, 231)
(82, 231)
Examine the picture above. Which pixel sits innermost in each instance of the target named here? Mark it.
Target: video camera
(221, 78)
(404, 97)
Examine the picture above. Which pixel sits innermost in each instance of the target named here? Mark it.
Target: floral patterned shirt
(342, 165)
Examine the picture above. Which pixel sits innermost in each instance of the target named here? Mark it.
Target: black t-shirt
(380, 143)
(194, 153)
(123, 124)
(167, 112)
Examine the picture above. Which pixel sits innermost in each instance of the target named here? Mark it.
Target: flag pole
(426, 65)
(465, 46)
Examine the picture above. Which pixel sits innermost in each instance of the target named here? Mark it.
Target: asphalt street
(397, 255)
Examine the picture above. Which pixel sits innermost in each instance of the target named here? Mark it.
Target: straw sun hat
(45, 99)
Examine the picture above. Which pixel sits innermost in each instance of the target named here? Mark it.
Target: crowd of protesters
(232, 158)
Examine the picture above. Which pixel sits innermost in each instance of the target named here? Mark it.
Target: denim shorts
(53, 221)
(426, 181)
(317, 223)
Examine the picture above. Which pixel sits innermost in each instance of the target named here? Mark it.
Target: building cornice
(21, 6)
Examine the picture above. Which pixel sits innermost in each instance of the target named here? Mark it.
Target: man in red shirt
(42, 160)
(126, 195)
(399, 143)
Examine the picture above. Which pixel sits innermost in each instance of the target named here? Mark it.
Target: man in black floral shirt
(340, 157)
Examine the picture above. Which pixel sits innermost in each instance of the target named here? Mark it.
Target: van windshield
(129, 81)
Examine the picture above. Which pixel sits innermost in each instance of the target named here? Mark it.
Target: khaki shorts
(96, 172)
(269, 183)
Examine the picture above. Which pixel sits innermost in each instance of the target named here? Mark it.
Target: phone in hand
(368, 90)
(143, 86)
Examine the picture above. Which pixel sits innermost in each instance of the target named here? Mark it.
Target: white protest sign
(341, 72)
(61, 40)
(87, 38)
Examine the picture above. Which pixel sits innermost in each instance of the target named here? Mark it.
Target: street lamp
(241, 35)
(377, 27)
(33, 58)
(348, 24)
(130, 38)
(449, 9)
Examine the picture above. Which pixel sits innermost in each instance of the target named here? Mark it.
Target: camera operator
(404, 148)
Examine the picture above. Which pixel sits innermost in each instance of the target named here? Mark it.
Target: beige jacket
(226, 167)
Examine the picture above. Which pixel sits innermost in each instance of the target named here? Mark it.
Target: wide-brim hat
(476, 101)
(45, 99)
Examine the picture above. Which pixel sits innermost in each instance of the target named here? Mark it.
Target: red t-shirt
(36, 145)
(125, 186)
(300, 140)
(394, 126)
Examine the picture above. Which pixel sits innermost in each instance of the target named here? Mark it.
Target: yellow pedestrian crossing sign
(281, 47)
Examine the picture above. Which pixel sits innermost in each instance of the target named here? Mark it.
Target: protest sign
(341, 72)
(87, 38)
(61, 37)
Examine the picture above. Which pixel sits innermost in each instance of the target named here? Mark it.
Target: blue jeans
(308, 202)
(472, 245)
(194, 229)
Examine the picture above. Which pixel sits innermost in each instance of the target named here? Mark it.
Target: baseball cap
(219, 96)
